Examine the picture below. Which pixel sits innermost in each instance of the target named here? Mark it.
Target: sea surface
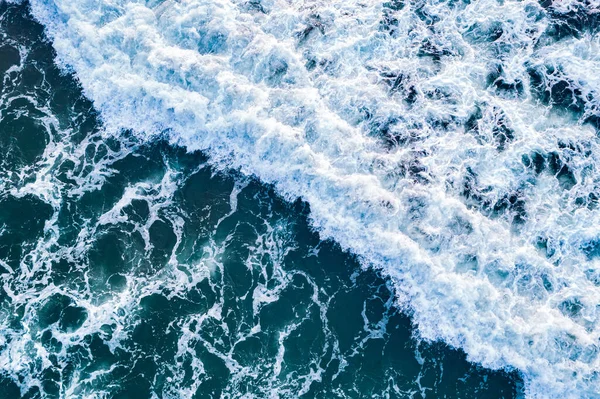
(299, 199)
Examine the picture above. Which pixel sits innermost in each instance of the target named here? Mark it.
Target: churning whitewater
(451, 144)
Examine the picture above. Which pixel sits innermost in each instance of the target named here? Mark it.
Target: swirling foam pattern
(450, 144)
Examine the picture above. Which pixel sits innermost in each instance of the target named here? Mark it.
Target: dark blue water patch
(502, 133)
(9, 57)
(552, 87)
(256, 6)
(23, 136)
(60, 309)
(502, 86)
(433, 50)
(21, 225)
(389, 23)
(576, 20)
(392, 131)
(401, 85)
(591, 248)
(17, 27)
(535, 160)
(510, 205)
(554, 164)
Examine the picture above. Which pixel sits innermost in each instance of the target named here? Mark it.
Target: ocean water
(272, 198)
(134, 269)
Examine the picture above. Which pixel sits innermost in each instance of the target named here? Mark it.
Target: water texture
(449, 148)
(133, 269)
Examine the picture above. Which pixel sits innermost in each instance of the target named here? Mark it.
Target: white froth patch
(298, 94)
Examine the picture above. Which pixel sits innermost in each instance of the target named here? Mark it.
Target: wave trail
(453, 144)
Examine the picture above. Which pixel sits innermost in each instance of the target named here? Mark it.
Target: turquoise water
(134, 269)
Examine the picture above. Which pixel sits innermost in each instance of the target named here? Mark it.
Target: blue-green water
(134, 269)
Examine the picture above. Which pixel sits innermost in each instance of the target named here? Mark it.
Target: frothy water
(452, 145)
(132, 269)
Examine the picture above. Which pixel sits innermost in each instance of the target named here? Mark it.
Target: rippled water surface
(272, 198)
(135, 270)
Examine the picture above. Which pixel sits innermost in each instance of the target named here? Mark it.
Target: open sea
(300, 199)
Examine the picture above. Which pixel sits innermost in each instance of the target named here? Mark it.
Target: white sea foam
(311, 97)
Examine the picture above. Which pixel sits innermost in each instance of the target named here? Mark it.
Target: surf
(451, 145)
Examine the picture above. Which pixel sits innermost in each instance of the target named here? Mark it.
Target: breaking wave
(451, 144)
